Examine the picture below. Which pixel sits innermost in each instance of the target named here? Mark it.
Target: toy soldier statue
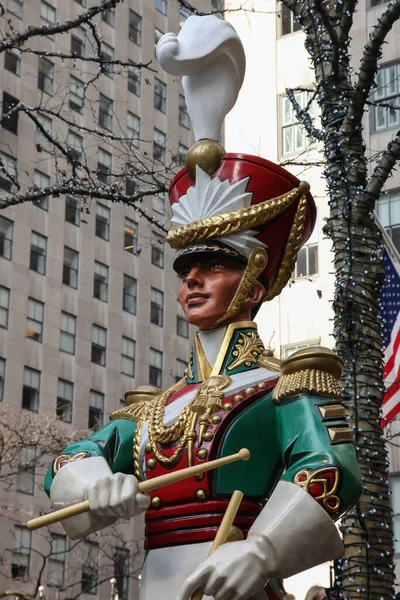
(238, 223)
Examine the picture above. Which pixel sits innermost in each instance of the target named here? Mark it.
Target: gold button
(148, 447)
(249, 390)
(155, 502)
(216, 419)
(238, 398)
(200, 495)
(202, 453)
(262, 386)
(228, 406)
(208, 436)
(151, 463)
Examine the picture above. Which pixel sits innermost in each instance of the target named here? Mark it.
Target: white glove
(116, 496)
(235, 571)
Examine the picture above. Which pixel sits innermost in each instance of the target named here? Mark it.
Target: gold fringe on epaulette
(308, 381)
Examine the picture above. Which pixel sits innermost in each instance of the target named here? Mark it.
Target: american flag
(390, 307)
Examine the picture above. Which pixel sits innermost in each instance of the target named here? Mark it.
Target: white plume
(210, 197)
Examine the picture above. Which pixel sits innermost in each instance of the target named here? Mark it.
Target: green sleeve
(328, 470)
(114, 442)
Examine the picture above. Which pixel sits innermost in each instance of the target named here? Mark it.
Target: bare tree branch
(369, 63)
(384, 168)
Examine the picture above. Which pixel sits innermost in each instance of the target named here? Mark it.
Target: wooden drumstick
(144, 486)
(223, 530)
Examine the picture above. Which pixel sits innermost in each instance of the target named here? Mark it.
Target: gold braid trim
(239, 220)
(291, 249)
(256, 264)
(313, 381)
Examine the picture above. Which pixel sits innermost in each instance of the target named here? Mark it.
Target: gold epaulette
(137, 403)
(314, 370)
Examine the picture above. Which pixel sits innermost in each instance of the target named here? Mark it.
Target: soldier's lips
(193, 300)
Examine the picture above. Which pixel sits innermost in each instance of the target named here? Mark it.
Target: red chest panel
(187, 511)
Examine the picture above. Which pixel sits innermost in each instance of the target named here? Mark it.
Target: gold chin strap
(257, 262)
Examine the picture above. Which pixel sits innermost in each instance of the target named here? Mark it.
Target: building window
(4, 306)
(374, 3)
(217, 4)
(106, 112)
(103, 216)
(2, 377)
(72, 211)
(288, 21)
(11, 122)
(156, 307)
(157, 251)
(288, 349)
(108, 16)
(6, 237)
(90, 568)
(307, 261)
(100, 281)
(133, 129)
(76, 94)
(31, 389)
(26, 470)
(131, 236)
(22, 553)
(78, 42)
(42, 181)
(41, 141)
(159, 144)
(107, 52)
(122, 572)
(67, 333)
(128, 357)
(75, 147)
(131, 186)
(161, 5)
(46, 75)
(16, 7)
(96, 410)
(7, 178)
(129, 297)
(181, 367)
(184, 119)
(56, 564)
(160, 95)
(134, 80)
(99, 345)
(388, 208)
(65, 398)
(37, 261)
(158, 203)
(394, 480)
(294, 136)
(70, 267)
(155, 368)
(181, 156)
(35, 320)
(47, 15)
(388, 92)
(135, 27)
(157, 37)
(182, 325)
(12, 61)
(104, 165)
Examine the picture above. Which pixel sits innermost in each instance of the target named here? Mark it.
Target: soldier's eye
(183, 274)
(216, 265)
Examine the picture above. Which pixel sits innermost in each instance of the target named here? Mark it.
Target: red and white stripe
(391, 401)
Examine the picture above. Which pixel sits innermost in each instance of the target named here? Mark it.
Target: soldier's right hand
(117, 496)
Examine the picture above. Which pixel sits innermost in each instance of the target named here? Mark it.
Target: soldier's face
(207, 289)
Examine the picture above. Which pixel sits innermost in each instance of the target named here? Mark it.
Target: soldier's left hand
(235, 571)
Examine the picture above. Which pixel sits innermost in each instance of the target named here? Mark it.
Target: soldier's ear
(256, 295)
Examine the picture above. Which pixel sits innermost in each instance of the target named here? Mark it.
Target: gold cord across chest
(207, 399)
